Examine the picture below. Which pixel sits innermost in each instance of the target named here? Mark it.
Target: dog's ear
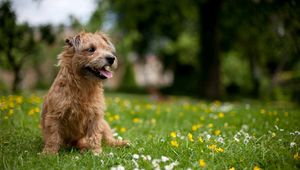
(68, 41)
(107, 40)
(73, 41)
(77, 40)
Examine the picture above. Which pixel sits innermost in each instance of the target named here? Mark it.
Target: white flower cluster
(243, 135)
(119, 167)
(156, 163)
(225, 107)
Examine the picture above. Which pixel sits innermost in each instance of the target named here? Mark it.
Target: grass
(180, 133)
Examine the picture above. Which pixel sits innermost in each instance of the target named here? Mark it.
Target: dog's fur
(73, 110)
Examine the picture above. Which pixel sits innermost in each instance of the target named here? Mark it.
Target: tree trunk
(210, 54)
(17, 79)
(15, 66)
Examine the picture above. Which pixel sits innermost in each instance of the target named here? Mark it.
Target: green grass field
(180, 133)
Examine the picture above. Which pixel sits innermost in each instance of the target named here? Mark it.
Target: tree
(264, 34)
(148, 31)
(47, 35)
(210, 55)
(16, 45)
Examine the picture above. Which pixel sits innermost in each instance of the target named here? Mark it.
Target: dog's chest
(77, 118)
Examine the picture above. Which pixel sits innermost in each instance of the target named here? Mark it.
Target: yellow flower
(31, 112)
(11, 105)
(210, 125)
(221, 115)
(34, 99)
(296, 156)
(232, 168)
(116, 117)
(202, 163)
(217, 103)
(212, 147)
(196, 127)
(19, 99)
(256, 168)
(10, 112)
(220, 150)
(217, 132)
(148, 106)
(110, 118)
(200, 139)
(174, 143)
(37, 110)
(208, 110)
(173, 134)
(136, 120)
(190, 137)
(262, 111)
(286, 114)
(122, 129)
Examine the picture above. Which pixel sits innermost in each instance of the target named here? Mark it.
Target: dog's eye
(91, 49)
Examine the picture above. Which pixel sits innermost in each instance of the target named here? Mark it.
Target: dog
(73, 109)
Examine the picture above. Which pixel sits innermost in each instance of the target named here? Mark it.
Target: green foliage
(264, 34)
(17, 43)
(235, 71)
(185, 47)
(47, 34)
(159, 19)
(98, 17)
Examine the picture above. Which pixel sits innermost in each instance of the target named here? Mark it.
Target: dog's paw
(126, 143)
(49, 152)
(97, 152)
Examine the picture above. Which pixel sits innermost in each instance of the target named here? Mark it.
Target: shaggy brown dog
(73, 110)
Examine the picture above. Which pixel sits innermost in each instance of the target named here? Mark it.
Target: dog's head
(93, 55)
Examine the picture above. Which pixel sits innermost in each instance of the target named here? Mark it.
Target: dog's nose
(110, 59)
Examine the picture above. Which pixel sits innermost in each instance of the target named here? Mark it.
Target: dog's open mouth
(103, 72)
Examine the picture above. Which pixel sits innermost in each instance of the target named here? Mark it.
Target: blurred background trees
(214, 49)
(16, 45)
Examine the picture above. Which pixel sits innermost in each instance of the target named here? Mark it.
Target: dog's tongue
(105, 73)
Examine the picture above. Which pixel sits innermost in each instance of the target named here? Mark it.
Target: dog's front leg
(52, 137)
(93, 139)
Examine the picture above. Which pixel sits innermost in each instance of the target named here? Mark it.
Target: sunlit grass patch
(180, 133)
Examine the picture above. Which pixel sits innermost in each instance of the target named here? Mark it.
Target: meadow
(179, 133)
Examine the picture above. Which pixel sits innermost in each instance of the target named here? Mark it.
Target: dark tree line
(16, 45)
(265, 33)
(20, 44)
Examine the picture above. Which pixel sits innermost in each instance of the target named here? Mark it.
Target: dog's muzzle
(104, 71)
